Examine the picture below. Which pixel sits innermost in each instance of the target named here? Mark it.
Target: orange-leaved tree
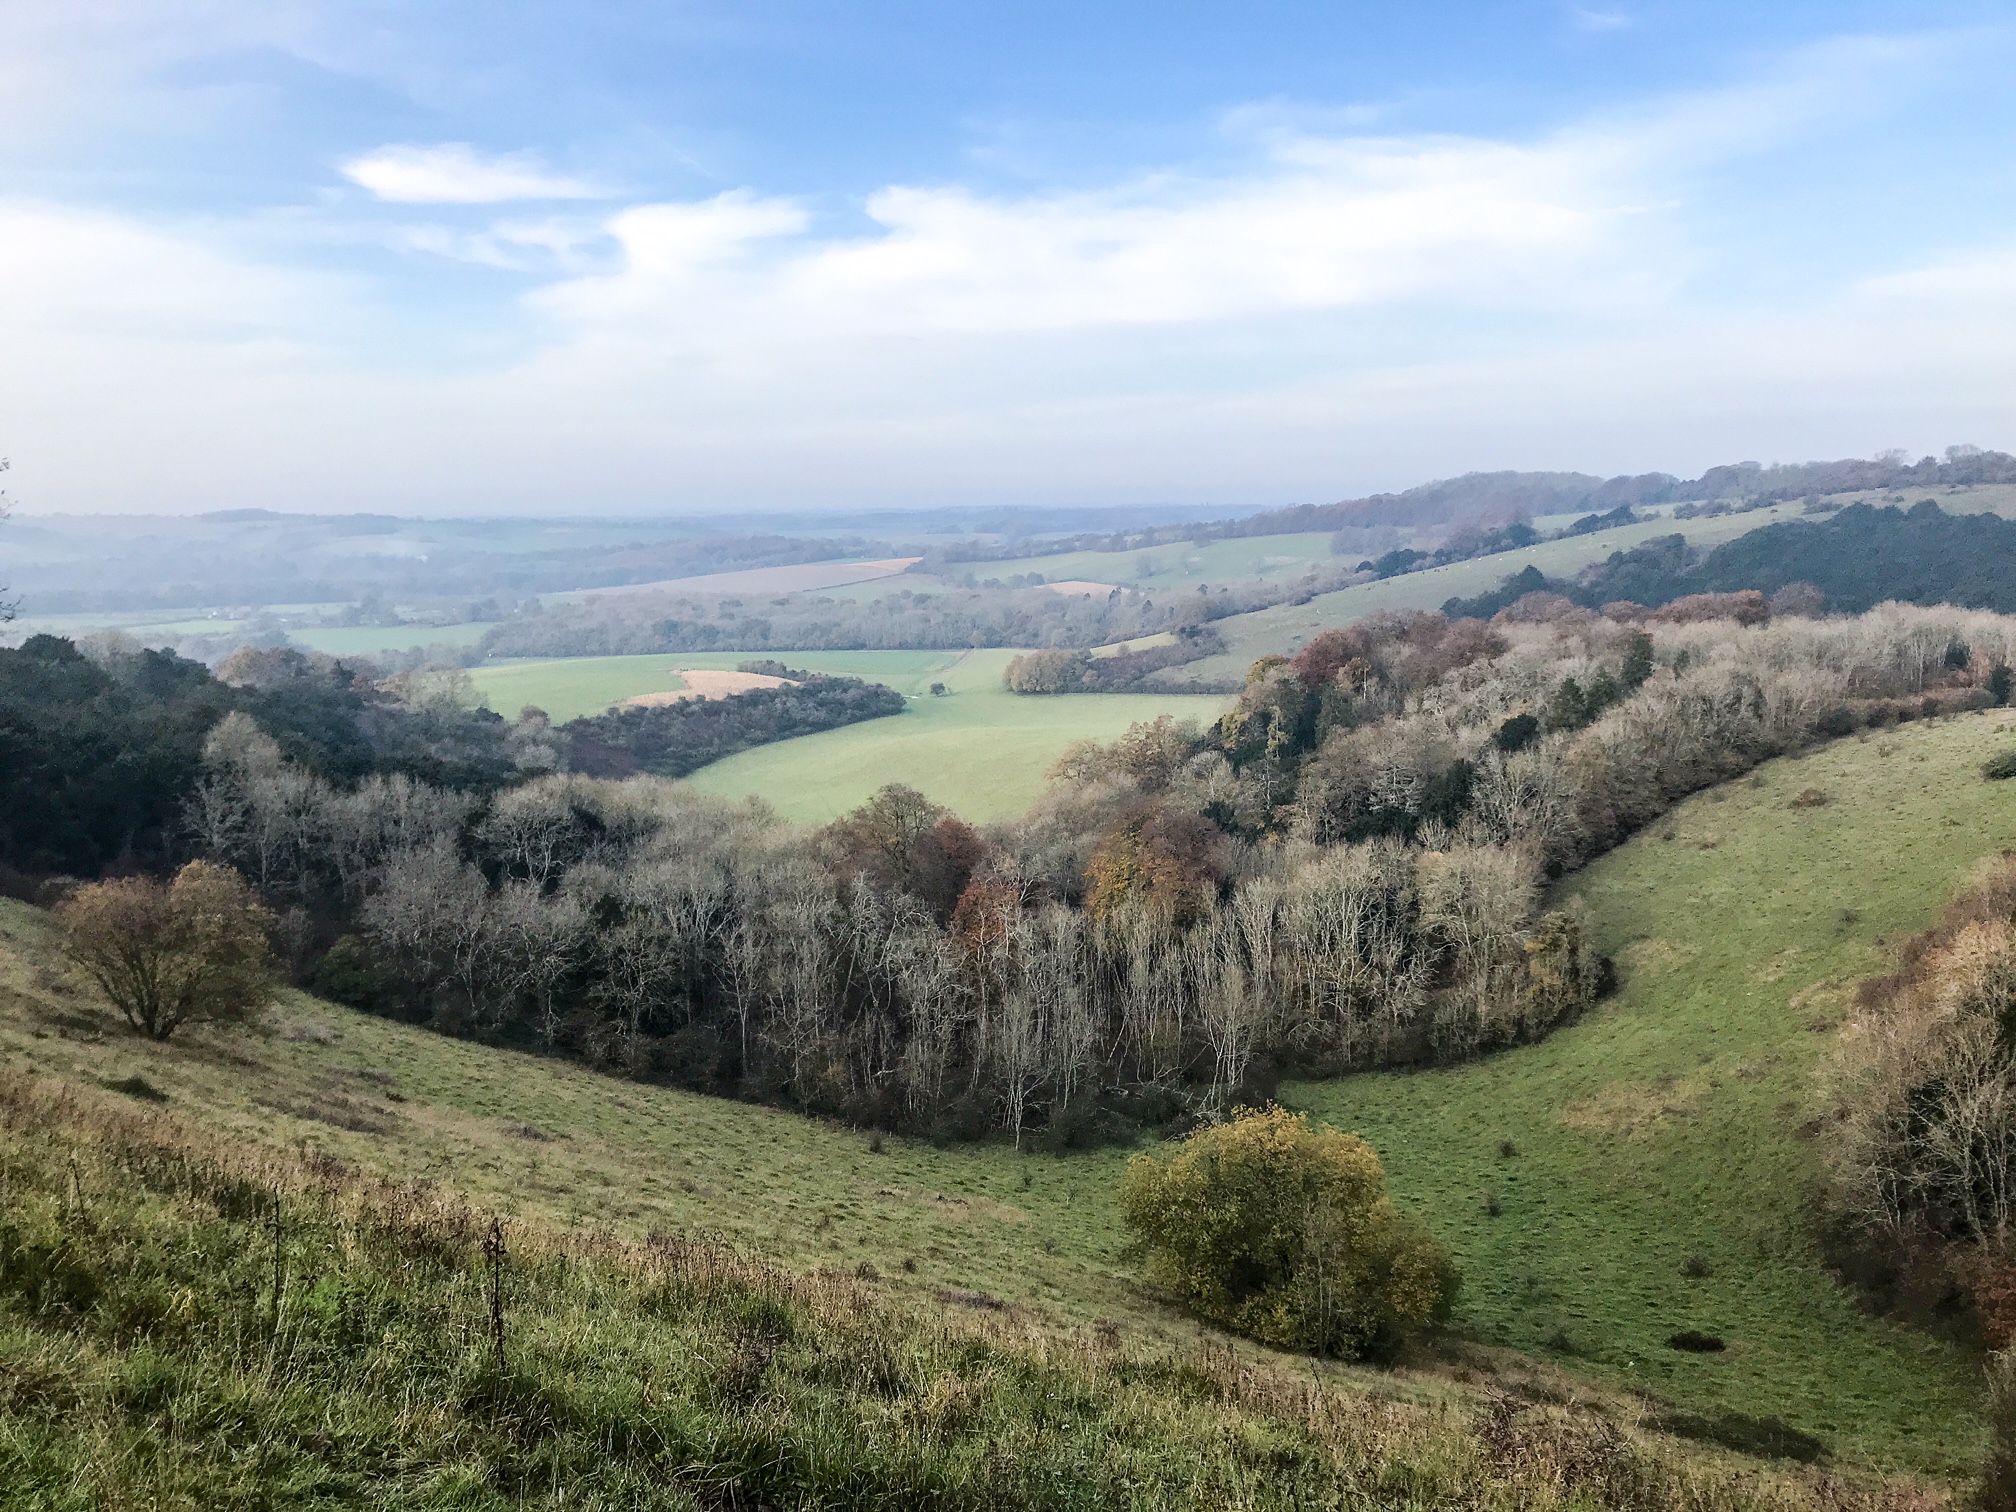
(166, 955)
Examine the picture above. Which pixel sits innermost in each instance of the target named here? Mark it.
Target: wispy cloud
(455, 173)
(1318, 224)
(1587, 20)
(1344, 305)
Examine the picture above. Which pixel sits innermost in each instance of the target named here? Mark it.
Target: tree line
(1346, 870)
(1859, 558)
(672, 739)
(100, 744)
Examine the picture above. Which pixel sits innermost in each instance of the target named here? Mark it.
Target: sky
(611, 258)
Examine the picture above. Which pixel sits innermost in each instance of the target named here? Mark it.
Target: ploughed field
(1676, 1121)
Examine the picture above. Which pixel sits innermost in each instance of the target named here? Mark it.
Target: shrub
(2000, 767)
(1047, 672)
(1285, 1233)
(169, 955)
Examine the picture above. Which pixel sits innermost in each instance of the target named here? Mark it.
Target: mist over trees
(934, 618)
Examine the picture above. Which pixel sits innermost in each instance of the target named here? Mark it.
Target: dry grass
(191, 1322)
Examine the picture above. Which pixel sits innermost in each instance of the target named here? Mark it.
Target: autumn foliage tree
(165, 955)
(1284, 1232)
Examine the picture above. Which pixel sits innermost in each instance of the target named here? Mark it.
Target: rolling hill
(1668, 1125)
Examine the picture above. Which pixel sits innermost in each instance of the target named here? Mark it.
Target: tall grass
(189, 1324)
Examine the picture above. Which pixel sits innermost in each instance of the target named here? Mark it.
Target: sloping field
(1674, 1122)
(547, 1138)
(1666, 1125)
(798, 577)
(1182, 564)
(980, 750)
(698, 682)
(1285, 627)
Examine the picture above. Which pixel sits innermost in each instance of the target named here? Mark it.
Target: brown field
(702, 682)
(1080, 585)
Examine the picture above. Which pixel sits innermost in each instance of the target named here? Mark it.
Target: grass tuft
(223, 1326)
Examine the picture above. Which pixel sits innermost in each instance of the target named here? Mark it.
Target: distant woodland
(1859, 558)
(670, 740)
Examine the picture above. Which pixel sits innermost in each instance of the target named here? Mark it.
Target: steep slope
(1676, 1121)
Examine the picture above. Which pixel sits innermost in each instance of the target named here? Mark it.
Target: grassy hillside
(188, 1322)
(1183, 564)
(559, 1142)
(1674, 1121)
(1665, 1126)
(979, 750)
(1287, 626)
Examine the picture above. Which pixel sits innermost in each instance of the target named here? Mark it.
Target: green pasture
(980, 750)
(1680, 1118)
(1668, 1124)
(570, 687)
(548, 1138)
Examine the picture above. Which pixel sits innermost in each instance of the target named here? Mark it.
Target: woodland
(1347, 870)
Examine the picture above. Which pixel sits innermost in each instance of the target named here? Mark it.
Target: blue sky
(621, 258)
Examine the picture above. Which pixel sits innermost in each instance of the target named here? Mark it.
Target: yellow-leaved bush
(1284, 1232)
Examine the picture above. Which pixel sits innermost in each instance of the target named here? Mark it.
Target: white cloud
(1318, 225)
(455, 173)
(1346, 310)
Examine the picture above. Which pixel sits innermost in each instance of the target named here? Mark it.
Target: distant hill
(1496, 497)
(1857, 559)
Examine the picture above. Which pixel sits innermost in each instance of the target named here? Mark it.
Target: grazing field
(980, 750)
(1183, 564)
(1665, 1126)
(551, 1139)
(1671, 1123)
(193, 1322)
(569, 687)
